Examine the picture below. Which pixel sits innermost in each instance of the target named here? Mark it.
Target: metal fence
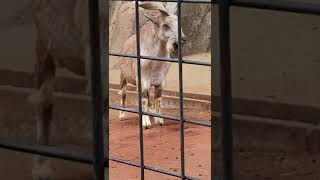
(100, 158)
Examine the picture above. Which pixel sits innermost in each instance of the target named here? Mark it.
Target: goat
(62, 40)
(159, 37)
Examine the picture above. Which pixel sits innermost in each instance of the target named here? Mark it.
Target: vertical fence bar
(225, 83)
(181, 92)
(97, 93)
(139, 88)
(212, 88)
(104, 6)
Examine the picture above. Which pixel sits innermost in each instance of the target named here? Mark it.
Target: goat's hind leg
(157, 104)
(123, 96)
(43, 103)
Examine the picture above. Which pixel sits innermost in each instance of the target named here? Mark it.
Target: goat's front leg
(157, 104)
(146, 123)
(43, 101)
(123, 96)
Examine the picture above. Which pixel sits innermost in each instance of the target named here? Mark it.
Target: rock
(196, 24)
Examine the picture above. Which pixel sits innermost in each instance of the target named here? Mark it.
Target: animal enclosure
(200, 138)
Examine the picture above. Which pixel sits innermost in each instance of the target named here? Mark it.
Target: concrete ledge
(77, 86)
(250, 107)
(258, 125)
(167, 101)
(260, 134)
(71, 117)
(71, 124)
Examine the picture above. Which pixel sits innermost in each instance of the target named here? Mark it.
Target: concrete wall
(275, 56)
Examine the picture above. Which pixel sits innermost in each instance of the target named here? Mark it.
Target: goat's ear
(154, 6)
(152, 18)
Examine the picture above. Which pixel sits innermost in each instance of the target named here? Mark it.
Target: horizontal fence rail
(280, 5)
(176, 1)
(130, 110)
(48, 151)
(151, 168)
(54, 152)
(162, 59)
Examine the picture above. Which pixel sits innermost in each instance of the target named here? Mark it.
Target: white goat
(159, 38)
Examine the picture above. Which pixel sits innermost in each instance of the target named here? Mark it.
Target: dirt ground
(161, 149)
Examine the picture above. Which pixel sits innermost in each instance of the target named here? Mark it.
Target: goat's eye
(166, 26)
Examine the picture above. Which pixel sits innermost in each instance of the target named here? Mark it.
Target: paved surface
(196, 79)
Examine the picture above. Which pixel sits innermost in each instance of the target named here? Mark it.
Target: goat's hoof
(146, 123)
(41, 170)
(158, 121)
(147, 126)
(122, 116)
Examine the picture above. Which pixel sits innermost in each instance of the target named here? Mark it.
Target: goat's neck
(151, 45)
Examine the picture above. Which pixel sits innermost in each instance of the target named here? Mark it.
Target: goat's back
(126, 65)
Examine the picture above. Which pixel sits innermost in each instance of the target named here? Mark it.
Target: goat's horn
(154, 6)
(171, 8)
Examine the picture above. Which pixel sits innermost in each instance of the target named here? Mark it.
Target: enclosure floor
(161, 149)
(161, 146)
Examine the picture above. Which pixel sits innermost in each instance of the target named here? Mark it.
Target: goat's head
(166, 23)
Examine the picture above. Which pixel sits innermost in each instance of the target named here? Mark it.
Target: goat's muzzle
(175, 46)
(174, 50)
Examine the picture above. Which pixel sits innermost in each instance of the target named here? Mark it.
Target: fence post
(96, 16)
(225, 86)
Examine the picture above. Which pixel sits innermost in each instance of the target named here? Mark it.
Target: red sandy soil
(162, 149)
